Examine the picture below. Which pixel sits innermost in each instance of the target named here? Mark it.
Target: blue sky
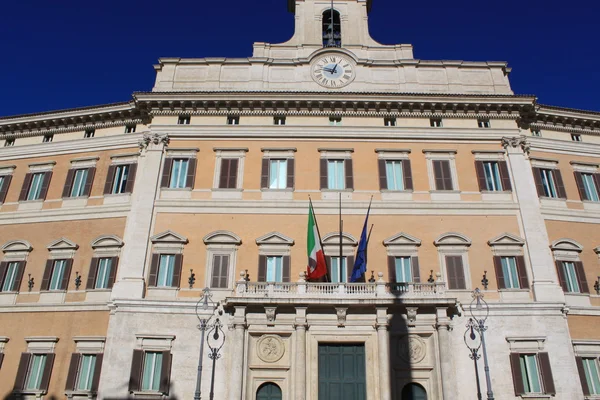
(71, 53)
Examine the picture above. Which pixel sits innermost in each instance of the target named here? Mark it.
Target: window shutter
(66, 275)
(582, 378)
(22, 371)
(47, 274)
(499, 272)
(349, 174)
(262, 268)
(383, 175)
(580, 187)
(537, 177)
(583, 285)
(1, 359)
(504, 176)
(561, 276)
(323, 174)
(349, 267)
(166, 173)
(87, 190)
(3, 268)
(45, 185)
(546, 373)
(391, 269)
(522, 271)
(456, 274)
(19, 277)
(286, 273)
(515, 365)
(407, 170)
(177, 270)
(441, 171)
(165, 373)
(233, 173)
(97, 371)
(191, 173)
(291, 172)
(153, 276)
(4, 188)
(224, 173)
(560, 186)
(25, 187)
(416, 273)
(447, 175)
(135, 377)
(264, 174)
(216, 271)
(112, 276)
(131, 178)
(45, 382)
(480, 176)
(597, 180)
(110, 178)
(73, 369)
(68, 184)
(91, 280)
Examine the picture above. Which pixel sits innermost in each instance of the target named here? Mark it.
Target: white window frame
(35, 168)
(48, 138)
(454, 244)
(402, 245)
(130, 128)
(336, 154)
(335, 121)
(89, 133)
(273, 153)
(225, 153)
(148, 342)
(221, 243)
(279, 120)
(86, 346)
(233, 120)
(591, 169)
(390, 121)
(549, 164)
(530, 345)
(484, 123)
(395, 155)
(509, 245)
(568, 250)
(588, 349)
(536, 133)
(104, 246)
(39, 345)
(331, 246)
(14, 251)
(442, 155)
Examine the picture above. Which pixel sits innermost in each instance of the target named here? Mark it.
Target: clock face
(333, 71)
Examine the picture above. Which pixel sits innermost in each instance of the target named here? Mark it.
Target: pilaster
(383, 344)
(236, 371)
(444, 327)
(300, 363)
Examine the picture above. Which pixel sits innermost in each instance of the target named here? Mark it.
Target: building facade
(113, 220)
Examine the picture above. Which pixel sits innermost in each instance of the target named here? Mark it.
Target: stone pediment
(17, 246)
(566, 245)
(334, 238)
(275, 238)
(452, 239)
(222, 237)
(402, 239)
(506, 239)
(105, 241)
(63, 244)
(169, 237)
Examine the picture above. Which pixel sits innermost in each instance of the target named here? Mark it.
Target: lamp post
(215, 341)
(478, 324)
(473, 342)
(204, 304)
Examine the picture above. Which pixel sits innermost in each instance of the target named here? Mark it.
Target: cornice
(564, 146)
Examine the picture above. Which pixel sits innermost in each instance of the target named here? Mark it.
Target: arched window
(332, 30)
(414, 391)
(268, 391)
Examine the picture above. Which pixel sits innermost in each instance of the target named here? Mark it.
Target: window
(278, 174)
(120, 181)
(530, 373)
(58, 271)
(339, 272)
(220, 271)
(229, 173)
(336, 174)
(35, 189)
(184, 120)
(152, 369)
(435, 122)
(536, 133)
(85, 377)
(493, 183)
(394, 175)
(103, 274)
(389, 121)
(587, 184)
(166, 270)
(548, 183)
(274, 269)
(9, 142)
(233, 120)
(79, 182)
(279, 120)
(89, 133)
(403, 269)
(570, 275)
(179, 173)
(592, 377)
(132, 128)
(47, 138)
(442, 175)
(35, 371)
(455, 272)
(576, 137)
(11, 275)
(510, 273)
(332, 29)
(335, 121)
(484, 123)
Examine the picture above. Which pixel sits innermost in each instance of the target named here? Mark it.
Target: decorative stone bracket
(516, 142)
(155, 139)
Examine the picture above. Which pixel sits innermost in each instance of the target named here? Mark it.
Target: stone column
(130, 278)
(545, 281)
(443, 329)
(383, 344)
(236, 370)
(300, 362)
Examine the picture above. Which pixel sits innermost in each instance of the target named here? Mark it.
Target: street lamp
(478, 325)
(204, 304)
(473, 342)
(215, 340)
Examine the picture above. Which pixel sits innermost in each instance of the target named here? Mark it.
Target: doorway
(342, 372)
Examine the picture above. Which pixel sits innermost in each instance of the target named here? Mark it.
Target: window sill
(117, 198)
(514, 295)
(578, 299)
(488, 196)
(397, 195)
(52, 296)
(277, 194)
(97, 295)
(75, 201)
(30, 205)
(71, 394)
(553, 202)
(536, 396)
(334, 194)
(591, 205)
(29, 394)
(227, 194)
(445, 195)
(7, 298)
(148, 395)
(179, 193)
(162, 292)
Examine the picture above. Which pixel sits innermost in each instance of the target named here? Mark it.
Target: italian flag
(316, 259)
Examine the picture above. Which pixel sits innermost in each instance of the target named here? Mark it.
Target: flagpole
(341, 241)
(319, 234)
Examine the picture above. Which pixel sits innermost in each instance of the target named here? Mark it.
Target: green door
(268, 391)
(342, 372)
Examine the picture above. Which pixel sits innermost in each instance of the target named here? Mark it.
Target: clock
(333, 71)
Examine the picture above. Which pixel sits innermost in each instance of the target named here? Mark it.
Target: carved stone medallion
(412, 349)
(270, 348)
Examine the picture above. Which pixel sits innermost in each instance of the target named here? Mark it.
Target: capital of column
(154, 141)
(514, 143)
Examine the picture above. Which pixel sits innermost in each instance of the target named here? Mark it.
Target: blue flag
(360, 265)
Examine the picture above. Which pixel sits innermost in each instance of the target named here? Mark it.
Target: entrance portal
(342, 372)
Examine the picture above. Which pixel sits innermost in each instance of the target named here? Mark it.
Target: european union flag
(360, 265)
